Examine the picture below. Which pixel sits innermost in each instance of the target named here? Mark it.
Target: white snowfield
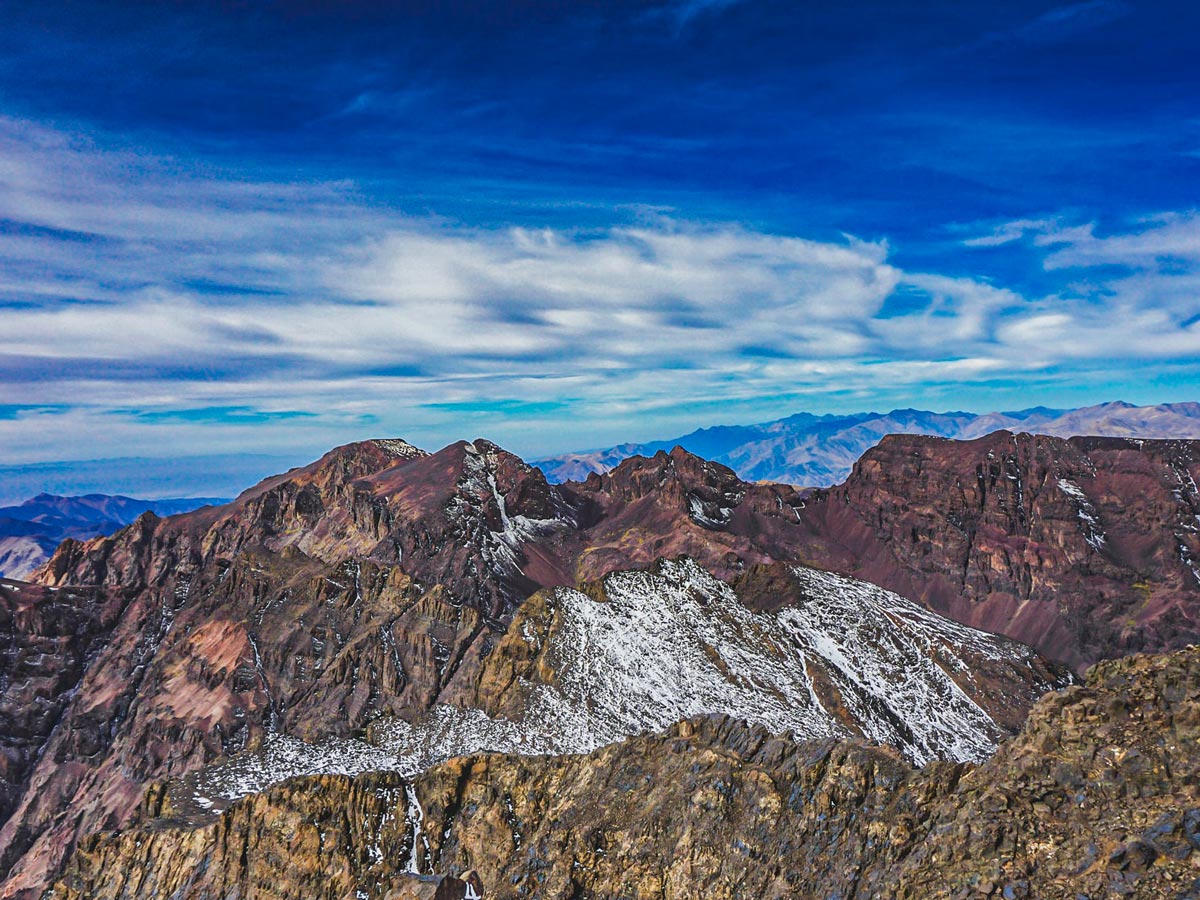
(677, 642)
(673, 643)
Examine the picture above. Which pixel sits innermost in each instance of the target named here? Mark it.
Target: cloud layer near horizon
(146, 301)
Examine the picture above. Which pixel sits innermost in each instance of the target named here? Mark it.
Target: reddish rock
(1085, 548)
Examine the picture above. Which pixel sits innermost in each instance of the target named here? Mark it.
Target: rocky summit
(348, 633)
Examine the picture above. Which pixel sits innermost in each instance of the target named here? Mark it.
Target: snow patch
(718, 518)
(674, 643)
(398, 449)
(1093, 531)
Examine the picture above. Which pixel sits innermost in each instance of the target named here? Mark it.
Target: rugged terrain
(385, 585)
(385, 608)
(1099, 795)
(1086, 548)
(820, 451)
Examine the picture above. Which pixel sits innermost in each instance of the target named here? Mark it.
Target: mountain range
(819, 451)
(664, 680)
(30, 531)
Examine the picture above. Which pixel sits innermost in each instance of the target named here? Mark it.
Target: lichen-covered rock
(1099, 796)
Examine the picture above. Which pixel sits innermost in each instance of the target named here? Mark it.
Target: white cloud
(1169, 238)
(1008, 232)
(182, 289)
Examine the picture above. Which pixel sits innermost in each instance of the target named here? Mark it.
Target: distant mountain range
(30, 531)
(818, 451)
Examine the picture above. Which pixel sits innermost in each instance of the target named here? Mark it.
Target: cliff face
(1097, 796)
(1085, 548)
(46, 636)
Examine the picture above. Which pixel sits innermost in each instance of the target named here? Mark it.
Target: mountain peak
(398, 448)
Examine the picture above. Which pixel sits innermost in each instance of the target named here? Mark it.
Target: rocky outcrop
(1085, 548)
(1097, 796)
(674, 504)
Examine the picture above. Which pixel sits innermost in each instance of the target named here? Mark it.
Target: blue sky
(270, 228)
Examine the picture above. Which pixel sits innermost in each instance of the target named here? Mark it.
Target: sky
(255, 230)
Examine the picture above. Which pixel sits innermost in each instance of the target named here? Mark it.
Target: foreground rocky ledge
(1098, 796)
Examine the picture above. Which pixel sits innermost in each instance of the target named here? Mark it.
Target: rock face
(1085, 548)
(46, 636)
(379, 585)
(1097, 796)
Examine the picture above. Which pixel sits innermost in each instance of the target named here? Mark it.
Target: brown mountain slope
(208, 664)
(1098, 796)
(1085, 548)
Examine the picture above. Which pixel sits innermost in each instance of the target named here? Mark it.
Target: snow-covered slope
(851, 659)
(580, 669)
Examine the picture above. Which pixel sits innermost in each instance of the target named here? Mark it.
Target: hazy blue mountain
(817, 451)
(30, 531)
(206, 475)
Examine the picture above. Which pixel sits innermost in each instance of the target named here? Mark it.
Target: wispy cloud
(1062, 23)
(1008, 232)
(177, 309)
